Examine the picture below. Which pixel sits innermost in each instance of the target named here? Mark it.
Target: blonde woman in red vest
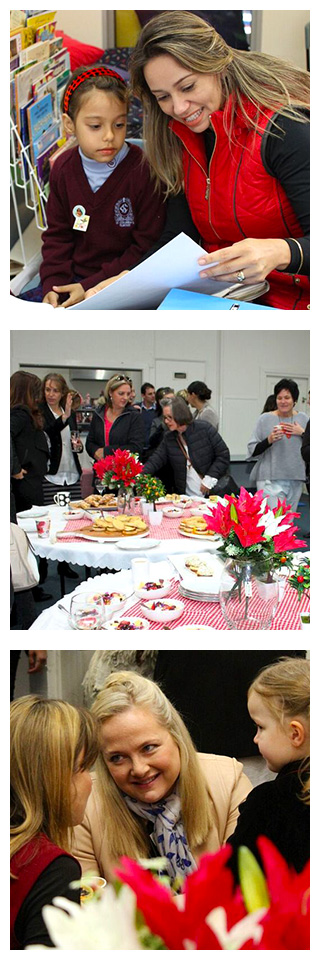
(227, 131)
(53, 746)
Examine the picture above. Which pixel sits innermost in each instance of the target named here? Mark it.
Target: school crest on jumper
(123, 213)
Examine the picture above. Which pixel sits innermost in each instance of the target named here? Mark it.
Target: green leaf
(252, 881)
(233, 513)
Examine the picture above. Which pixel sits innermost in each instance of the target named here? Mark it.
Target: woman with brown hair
(57, 407)
(227, 132)
(29, 443)
(53, 746)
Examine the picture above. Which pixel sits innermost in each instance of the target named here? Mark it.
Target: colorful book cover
(46, 31)
(15, 45)
(55, 45)
(43, 165)
(39, 19)
(44, 86)
(23, 84)
(47, 138)
(40, 117)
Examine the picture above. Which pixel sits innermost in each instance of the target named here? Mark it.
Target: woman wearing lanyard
(197, 454)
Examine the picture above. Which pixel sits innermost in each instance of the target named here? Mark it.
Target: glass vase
(125, 500)
(249, 594)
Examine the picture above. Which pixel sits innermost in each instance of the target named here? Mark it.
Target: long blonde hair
(264, 80)
(285, 689)
(125, 834)
(47, 737)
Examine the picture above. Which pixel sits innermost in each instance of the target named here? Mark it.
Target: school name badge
(81, 221)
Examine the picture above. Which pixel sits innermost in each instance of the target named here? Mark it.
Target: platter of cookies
(95, 502)
(196, 527)
(113, 528)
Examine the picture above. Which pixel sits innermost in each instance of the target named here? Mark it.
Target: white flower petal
(104, 924)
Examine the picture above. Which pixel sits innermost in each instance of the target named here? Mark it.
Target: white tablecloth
(55, 619)
(93, 554)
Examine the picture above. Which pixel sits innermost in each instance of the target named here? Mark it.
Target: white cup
(140, 570)
(155, 517)
(146, 507)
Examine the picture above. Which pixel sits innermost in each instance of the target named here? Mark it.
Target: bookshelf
(39, 69)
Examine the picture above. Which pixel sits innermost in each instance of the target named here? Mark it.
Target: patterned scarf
(168, 832)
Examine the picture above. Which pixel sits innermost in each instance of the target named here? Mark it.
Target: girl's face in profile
(272, 739)
(182, 93)
(100, 125)
(141, 755)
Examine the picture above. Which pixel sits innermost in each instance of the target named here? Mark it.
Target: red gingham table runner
(210, 615)
(198, 611)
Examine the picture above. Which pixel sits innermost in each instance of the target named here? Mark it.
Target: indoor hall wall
(235, 363)
(247, 358)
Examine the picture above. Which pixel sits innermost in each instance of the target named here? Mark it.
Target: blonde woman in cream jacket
(152, 794)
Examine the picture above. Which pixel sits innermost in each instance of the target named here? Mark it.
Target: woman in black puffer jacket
(197, 454)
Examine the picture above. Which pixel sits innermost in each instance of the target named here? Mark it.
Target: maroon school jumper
(26, 867)
(126, 218)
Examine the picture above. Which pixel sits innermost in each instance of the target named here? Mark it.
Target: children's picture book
(23, 85)
(39, 19)
(44, 86)
(37, 51)
(48, 137)
(40, 118)
(43, 164)
(46, 31)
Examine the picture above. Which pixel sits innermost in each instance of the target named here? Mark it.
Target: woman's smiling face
(141, 755)
(182, 93)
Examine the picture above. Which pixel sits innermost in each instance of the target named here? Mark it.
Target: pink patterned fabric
(168, 529)
(209, 614)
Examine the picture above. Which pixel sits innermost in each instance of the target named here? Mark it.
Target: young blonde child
(279, 705)
(103, 212)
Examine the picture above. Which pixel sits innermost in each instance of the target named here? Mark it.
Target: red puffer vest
(26, 866)
(237, 198)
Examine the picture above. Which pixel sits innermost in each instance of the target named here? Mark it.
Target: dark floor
(52, 582)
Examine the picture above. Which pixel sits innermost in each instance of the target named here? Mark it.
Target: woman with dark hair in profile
(199, 396)
(279, 469)
(157, 432)
(270, 404)
(29, 443)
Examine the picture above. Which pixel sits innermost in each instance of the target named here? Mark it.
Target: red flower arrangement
(119, 470)
(251, 530)
(271, 913)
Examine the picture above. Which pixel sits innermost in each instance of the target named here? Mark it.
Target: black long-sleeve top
(275, 810)
(287, 159)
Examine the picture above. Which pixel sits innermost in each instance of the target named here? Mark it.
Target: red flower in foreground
(286, 926)
(287, 540)
(210, 901)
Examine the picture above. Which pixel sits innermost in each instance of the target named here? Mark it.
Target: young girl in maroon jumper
(102, 212)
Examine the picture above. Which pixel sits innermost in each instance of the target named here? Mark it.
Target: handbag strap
(186, 455)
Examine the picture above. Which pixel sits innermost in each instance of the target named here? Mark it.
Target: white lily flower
(104, 924)
(246, 929)
(271, 524)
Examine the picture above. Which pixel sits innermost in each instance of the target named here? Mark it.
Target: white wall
(84, 25)
(235, 363)
(282, 34)
(281, 31)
